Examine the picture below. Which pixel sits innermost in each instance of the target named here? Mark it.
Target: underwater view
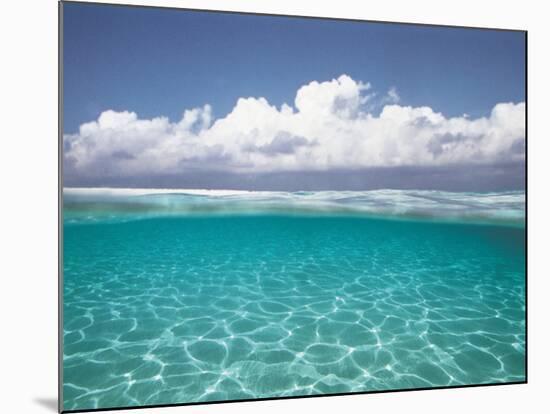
(191, 296)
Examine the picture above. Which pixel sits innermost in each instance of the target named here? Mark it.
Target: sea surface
(188, 296)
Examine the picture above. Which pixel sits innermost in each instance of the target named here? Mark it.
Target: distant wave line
(100, 203)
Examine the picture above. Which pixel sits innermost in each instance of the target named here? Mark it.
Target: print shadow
(49, 403)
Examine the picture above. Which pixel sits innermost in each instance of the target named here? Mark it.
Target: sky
(171, 98)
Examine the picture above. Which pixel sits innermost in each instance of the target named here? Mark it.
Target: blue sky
(173, 98)
(160, 62)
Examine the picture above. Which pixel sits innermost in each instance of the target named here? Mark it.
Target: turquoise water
(175, 298)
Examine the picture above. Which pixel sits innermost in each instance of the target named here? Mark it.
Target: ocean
(180, 296)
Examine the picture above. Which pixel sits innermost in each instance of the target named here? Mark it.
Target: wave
(97, 204)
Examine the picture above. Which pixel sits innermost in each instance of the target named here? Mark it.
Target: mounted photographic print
(262, 206)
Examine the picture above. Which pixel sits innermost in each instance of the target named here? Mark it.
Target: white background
(28, 215)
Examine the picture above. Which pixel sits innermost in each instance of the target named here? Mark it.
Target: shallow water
(183, 308)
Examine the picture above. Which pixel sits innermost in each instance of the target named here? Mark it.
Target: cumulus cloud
(393, 96)
(329, 126)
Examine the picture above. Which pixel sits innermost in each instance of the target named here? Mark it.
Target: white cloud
(393, 96)
(329, 126)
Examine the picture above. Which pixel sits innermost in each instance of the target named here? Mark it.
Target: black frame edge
(526, 209)
(60, 207)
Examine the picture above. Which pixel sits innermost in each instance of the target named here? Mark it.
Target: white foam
(106, 191)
